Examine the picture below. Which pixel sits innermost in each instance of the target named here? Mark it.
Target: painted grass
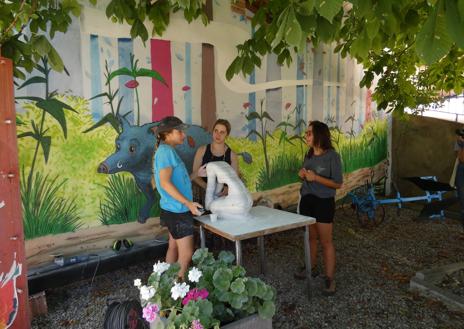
(282, 172)
(44, 211)
(123, 201)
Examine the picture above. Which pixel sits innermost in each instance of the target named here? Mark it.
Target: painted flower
(246, 105)
(195, 294)
(179, 290)
(194, 274)
(137, 283)
(150, 312)
(160, 267)
(185, 88)
(196, 324)
(287, 106)
(131, 84)
(147, 292)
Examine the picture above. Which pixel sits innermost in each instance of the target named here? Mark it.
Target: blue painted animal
(134, 153)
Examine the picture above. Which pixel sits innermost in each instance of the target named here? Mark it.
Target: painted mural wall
(67, 121)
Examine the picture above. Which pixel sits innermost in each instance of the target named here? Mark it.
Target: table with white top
(262, 221)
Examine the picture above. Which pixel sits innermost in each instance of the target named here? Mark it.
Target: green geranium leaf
(238, 286)
(226, 256)
(237, 300)
(238, 271)
(199, 255)
(251, 287)
(266, 310)
(222, 278)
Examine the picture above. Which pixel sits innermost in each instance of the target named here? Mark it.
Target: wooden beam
(13, 286)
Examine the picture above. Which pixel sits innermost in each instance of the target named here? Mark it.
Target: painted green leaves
(49, 105)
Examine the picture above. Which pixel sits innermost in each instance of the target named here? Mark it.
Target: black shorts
(323, 209)
(179, 225)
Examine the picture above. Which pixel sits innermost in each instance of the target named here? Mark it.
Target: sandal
(330, 287)
(301, 274)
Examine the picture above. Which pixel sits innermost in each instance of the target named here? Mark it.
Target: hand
(302, 173)
(225, 191)
(460, 141)
(202, 171)
(193, 207)
(310, 175)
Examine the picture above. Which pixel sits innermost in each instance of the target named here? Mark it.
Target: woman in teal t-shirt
(174, 186)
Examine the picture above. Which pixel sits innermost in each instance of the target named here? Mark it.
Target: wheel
(371, 217)
(348, 207)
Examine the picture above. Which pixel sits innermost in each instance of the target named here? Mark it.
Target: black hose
(125, 315)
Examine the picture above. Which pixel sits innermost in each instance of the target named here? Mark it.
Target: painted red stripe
(162, 101)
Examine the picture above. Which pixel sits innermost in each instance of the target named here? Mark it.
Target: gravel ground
(373, 271)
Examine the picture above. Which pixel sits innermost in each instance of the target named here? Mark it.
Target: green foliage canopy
(414, 47)
(24, 27)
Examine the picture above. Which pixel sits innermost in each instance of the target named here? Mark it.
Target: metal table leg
(262, 255)
(307, 261)
(202, 237)
(238, 252)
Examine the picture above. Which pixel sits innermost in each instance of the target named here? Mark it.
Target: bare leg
(313, 239)
(325, 235)
(172, 253)
(185, 248)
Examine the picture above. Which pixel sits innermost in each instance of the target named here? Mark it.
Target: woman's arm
(196, 165)
(166, 184)
(234, 161)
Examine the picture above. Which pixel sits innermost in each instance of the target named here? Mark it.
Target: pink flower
(196, 324)
(185, 88)
(195, 294)
(246, 105)
(150, 312)
(131, 84)
(287, 106)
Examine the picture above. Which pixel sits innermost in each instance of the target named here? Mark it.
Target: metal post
(307, 248)
(262, 255)
(202, 237)
(238, 252)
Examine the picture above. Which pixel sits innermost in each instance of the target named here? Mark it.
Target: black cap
(170, 123)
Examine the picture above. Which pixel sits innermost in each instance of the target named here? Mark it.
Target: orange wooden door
(14, 307)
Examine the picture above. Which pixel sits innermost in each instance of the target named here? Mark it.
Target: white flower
(194, 274)
(160, 267)
(147, 292)
(179, 290)
(137, 283)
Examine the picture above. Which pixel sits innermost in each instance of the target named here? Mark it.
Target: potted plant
(215, 293)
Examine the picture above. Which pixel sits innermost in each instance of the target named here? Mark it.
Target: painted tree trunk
(208, 88)
(14, 310)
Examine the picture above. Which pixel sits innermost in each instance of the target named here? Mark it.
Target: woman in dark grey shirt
(321, 175)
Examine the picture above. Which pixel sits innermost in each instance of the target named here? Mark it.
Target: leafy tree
(24, 27)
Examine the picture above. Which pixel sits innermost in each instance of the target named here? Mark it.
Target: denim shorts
(179, 225)
(323, 209)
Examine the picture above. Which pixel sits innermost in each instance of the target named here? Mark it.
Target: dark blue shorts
(179, 225)
(323, 209)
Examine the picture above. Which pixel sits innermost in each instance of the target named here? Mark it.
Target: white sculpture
(237, 203)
